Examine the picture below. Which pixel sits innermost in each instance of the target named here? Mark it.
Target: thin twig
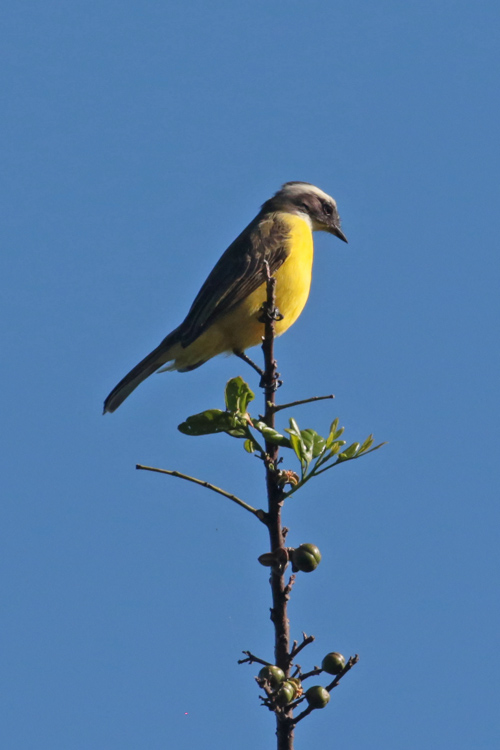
(249, 361)
(345, 460)
(251, 658)
(296, 703)
(289, 587)
(279, 407)
(303, 715)
(306, 640)
(312, 673)
(350, 663)
(261, 515)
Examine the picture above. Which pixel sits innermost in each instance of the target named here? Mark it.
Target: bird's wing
(238, 273)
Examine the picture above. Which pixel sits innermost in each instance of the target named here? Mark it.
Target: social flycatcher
(225, 315)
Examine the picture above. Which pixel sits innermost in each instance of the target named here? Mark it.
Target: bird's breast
(293, 282)
(293, 278)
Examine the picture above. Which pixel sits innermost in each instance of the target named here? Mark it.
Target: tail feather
(140, 372)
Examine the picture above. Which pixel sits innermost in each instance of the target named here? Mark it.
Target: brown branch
(303, 715)
(261, 515)
(249, 361)
(306, 640)
(289, 586)
(312, 673)
(297, 702)
(280, 593)
(251, 659)
(283, 654)
(279, 407)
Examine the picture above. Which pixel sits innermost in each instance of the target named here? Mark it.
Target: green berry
(274, 675)
(285, 694)
(313, 550)
(333, 663)
(317, 696)
(306, 558)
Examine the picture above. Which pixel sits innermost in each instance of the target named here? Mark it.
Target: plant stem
(259, 513)
(279, 407)
(284, 725)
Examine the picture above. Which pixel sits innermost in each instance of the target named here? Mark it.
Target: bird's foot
(274, 384)
(269, 314)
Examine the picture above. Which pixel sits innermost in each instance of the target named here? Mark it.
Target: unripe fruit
(333, 663)
(306, 558)
(285, 694)
(317, 696)
(274, 675)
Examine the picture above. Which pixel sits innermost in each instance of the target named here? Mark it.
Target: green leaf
(249, 446)
(238, 395)
(212, 421)
(380, 445)
(308, 438)
(297, 441)
(336, 446)
(297, 446)
(333, 427)
(367, 444)
(349, 452)
(238, 431)
(335, 432)
(271, 435)
(294, 427)
(318, 445)
(205, 423)
(307, 444)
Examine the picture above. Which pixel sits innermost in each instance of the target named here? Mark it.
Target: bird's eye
(328, 209)
(304, 205)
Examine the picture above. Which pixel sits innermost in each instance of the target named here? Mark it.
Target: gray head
(306, 199)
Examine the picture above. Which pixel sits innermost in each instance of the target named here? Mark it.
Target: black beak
(338, 233)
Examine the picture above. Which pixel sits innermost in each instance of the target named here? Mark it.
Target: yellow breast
(293, 282)
(293, 279)
(240, 328)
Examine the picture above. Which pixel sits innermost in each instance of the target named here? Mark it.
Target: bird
(225, 316)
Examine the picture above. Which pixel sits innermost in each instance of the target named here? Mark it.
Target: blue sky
(138, 139)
